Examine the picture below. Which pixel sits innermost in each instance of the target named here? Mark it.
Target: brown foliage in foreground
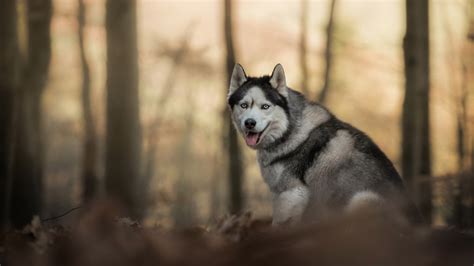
(99, 238)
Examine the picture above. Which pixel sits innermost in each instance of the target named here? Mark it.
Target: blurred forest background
(127, 99)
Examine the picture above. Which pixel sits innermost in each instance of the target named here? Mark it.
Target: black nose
(250, 123)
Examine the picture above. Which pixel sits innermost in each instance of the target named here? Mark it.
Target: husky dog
(313, 163)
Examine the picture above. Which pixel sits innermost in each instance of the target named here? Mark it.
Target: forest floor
(100, 238)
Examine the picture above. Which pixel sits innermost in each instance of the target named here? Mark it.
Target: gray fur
(314, 164)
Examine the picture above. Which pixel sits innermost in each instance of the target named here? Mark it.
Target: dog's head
(259, 106)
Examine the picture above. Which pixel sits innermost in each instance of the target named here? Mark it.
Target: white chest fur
(289, 206)
(273, 176)
(290, 196)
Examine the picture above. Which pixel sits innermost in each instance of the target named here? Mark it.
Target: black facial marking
(263, 83)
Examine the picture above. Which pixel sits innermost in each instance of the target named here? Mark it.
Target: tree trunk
(328, 54)
(235, 172)
(89, 153)
(184, 208)
(123, 138)
(416, 151)
(461, 210)
(9, 72)
(459, 184)
(177, 57)
(304, 47)
(28, 163)
(470, 70)
(467, 188)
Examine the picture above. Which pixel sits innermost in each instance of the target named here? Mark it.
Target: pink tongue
(251, 139)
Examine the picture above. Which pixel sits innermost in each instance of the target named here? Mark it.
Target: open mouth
(253, 138)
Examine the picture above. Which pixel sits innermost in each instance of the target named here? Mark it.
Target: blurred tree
(89, 153)
(457, 62)
(28, 163)
(461, 119)
(304, 46)
(416, 150)
(466, 198)
(123, 137)
(470, 69)
(231, 144)
(184, 57)
(328, 54)
(9, 72)
(184, 208)
(177, 55)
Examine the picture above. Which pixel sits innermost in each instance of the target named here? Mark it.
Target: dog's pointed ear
(278, 80)
(237, 79)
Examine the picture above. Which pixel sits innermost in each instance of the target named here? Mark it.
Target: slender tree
(123, 137)
(457, 61)
(9, 72)
(461, 211)
(231, 143)
(328, 54)
(304, 46)
(467, 187)
(89, 153)
(470, 70)
(178, 56)
(184, 209)
(462, 121)
(454, 62)
(416, 150)
(28, 164)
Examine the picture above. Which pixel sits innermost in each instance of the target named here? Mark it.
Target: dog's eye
(265, 106)
(244, 105)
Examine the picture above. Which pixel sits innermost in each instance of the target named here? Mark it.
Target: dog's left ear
(278, 80)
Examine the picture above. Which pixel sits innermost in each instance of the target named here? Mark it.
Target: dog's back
(350, 171)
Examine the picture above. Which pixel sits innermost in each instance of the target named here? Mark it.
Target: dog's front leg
(289, 205)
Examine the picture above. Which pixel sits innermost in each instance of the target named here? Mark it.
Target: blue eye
(244, 105)
(265, 106)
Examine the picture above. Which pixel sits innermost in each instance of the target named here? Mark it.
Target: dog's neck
(313, 115)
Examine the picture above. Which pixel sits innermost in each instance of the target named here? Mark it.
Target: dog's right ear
(237, 79)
